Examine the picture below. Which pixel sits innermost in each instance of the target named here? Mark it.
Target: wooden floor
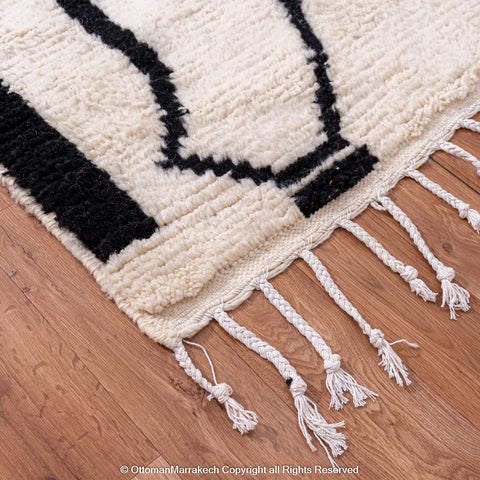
(83, 392)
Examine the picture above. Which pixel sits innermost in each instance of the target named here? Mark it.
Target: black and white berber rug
(187, 152)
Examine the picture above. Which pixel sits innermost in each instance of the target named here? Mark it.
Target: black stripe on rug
(94, 21)
(325, 95)
(59, 177)
(304, 165)
(344, 174)
(331, 183)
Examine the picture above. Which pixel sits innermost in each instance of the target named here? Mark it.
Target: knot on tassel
(409, 274)
(332, 364)
(445, 273)
(243, 420)
(419, 287)
(463, 209)
(221, 392)
(456, 297)
(473, 218)
(377, 339)
(298, 386)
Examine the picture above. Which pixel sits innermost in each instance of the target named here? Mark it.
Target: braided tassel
(471, 124)
(243, 420)
(456, 297)
(390, 360)
(459, 152)
(338, 381)
(309, 419)
(407, 272)
(464, 210)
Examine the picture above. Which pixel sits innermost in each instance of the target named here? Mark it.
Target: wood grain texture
(461, 169)
(83, 392)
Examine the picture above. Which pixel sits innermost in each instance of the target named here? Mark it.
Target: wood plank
(5, 199)
(113, 349)
(147, 412)
(76, 417)
(23, 453)
(469, 141)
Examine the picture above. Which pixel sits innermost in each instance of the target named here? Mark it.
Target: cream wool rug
(186, 152)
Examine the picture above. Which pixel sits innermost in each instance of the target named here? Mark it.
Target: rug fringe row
(338, 381)
(455, 296)
(309, 419)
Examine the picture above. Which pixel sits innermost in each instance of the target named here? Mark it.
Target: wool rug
(187, 152)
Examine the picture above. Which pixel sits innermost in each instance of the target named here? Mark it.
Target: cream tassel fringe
(390, 360)
(459, 152)
(407, 272)
(243, 420)
(309, 418)
(471, 124)
(338, 381)
(464, 210)
(456, 297)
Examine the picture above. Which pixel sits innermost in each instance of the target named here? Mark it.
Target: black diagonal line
(146, 60)
(59, 177)
(95, 22)
(325, 95)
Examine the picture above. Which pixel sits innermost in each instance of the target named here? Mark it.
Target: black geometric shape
(59, 177)
(308, 199)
